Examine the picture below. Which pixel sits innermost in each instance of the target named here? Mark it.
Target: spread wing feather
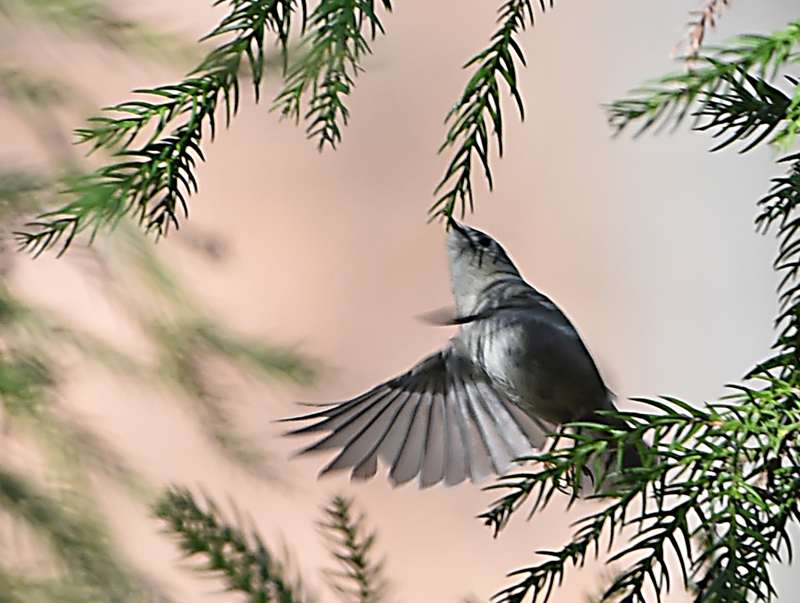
(436, 440)
(478, 461)
(440, 421)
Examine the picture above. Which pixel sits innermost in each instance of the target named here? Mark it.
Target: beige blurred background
(648, 245)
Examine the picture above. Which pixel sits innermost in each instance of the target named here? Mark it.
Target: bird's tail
(630, 456)
(610, 474)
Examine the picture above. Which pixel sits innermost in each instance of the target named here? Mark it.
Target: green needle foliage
(716, 492)
(358, 578)
(779, 210)
(478, 111)
(96, 21)
(719, 486)
(152, 178)
(248, 567)
(79, 542)
(54, 466)
(711, 74)
(156, 140)
(711, 505)
(332, 50)
(241, 559)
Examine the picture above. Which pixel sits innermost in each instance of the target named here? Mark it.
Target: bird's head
(476, 260)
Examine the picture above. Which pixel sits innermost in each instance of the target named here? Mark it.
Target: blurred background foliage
(718, 486)
(732, 466)
(54, 545)
(236, 553)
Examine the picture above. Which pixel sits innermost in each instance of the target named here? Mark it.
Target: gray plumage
(513, 372)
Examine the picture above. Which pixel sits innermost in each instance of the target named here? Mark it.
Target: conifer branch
(719, 486)
(477, 118)
(77, 541)
(358, 579)
(330, 59)
(152, 179)
(749, 107)
(248, 567)
(669, 100)
(725, 475)
(241, 559)
(96, 21)
(156, 140)
(779, 209)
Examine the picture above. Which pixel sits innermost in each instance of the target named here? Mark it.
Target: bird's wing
(441, 421)
(440, 317)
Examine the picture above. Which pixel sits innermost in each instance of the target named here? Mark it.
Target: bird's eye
(484, 241)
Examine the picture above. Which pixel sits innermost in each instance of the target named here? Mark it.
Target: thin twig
(705, 18)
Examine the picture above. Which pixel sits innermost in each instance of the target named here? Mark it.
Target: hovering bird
(514, 371)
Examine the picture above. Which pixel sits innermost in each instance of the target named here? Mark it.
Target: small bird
(514, 371)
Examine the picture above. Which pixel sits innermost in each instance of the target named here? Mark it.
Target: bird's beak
(457, 227)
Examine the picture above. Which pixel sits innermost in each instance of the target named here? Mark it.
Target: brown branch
(703, 19)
